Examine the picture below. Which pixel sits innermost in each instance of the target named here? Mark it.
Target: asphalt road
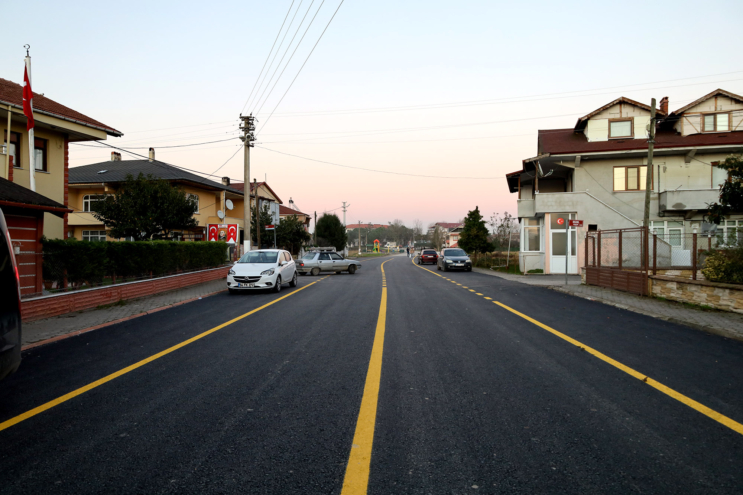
(473, 398)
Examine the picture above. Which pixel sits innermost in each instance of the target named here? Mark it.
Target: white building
(596, 172)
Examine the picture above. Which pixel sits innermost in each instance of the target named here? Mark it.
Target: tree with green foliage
(330, 230)
(146, 206)
(291, 235)
(731, 191)
(474, 236)
(265, 219)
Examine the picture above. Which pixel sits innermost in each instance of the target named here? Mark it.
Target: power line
(302, 67)
(284, 55)
(230, 158)
(382, 171)
(160, 147)
(251, 104)
(268, 56)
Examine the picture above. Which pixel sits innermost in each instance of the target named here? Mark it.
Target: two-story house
(596, 172)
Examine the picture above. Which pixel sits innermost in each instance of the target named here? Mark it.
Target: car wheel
(446, 268)
(293, 283)
(303, 273)
(277, 287)
(352, 269)
(469, 268)
(315, 272)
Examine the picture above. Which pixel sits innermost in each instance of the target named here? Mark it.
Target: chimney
(152, 154)
(664, 105)
(115, 156)
(225, 181)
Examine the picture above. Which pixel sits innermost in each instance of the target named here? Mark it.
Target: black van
(10, 305)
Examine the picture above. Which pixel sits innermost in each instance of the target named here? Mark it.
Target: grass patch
(699, 307)
(536, 270)
(120, 302)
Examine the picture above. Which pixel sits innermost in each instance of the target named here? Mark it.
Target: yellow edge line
(356, 478)
(710, 413)
(44, 407)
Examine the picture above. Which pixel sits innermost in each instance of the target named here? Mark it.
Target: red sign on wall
(560, 221)
(576, 223)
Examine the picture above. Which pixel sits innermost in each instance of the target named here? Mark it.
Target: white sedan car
(262, 269)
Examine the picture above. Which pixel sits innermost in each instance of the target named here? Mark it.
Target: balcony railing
(687, 199)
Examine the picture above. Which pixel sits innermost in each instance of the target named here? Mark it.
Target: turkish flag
(28, 96)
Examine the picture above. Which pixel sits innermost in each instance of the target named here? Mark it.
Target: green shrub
(90, 262)
(725, 265)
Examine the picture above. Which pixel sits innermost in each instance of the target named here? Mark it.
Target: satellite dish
(220, 214)
(228, 204)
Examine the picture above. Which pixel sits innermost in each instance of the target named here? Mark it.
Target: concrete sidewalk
(59, 326)
(718, 322)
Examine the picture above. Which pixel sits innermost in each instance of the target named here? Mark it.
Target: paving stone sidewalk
(718, 322)
(39, 330)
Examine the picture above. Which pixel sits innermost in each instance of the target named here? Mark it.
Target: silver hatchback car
(315, 262)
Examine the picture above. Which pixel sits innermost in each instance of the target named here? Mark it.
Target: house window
(14, 147)
(630, 178)
(40, 146)
(716, 122)
(730, 233)
(621, 128)
(89, 201)
(94, 235)
(195, 199)
(532, 235)
(669, 231)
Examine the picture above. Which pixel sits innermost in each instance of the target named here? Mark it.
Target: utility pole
(257, 213)
(649, 169)
(248, 139)
(345, 206)
(359, 237)
(315, 231)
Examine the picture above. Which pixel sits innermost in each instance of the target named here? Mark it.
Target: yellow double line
(357, 470)
(44, 407)
(710, 413)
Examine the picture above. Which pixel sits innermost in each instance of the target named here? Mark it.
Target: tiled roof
(285, 210)
(448, 225)
(567, 141)
(12, 193)
(621, 99)
(707, 97)
(12, 93)
(240, 186)
(116, 171)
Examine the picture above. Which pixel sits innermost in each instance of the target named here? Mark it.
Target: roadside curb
(722, 332)
(109, 323)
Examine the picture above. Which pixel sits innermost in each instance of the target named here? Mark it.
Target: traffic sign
(269, 227)
(560, 221)
(575, 223)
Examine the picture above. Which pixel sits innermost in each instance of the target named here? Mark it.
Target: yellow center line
(697, 406)
(489, 298)
(356, 479)
(477, 293)
(44, 407)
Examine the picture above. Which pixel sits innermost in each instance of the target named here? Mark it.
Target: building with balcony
(597, 171)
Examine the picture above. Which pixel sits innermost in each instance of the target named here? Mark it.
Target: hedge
(91, 262)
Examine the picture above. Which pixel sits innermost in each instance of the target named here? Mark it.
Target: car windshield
(309, 256)
(259, 257)
(455, 252)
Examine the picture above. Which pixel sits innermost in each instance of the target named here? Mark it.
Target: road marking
(489, 298)
(720, 418)
(478, 294)
(356, 479)
(44, 407)
(699, 407)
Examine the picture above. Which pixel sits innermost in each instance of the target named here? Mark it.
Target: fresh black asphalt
(473, 398)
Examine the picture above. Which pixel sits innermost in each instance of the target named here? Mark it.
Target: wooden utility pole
(248, 139)
(257, 214)
(649, 169)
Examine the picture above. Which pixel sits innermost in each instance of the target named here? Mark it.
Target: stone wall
(726, 297)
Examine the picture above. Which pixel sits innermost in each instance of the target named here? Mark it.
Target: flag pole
(28, 109)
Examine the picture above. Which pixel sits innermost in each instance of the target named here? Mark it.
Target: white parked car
(262, 269)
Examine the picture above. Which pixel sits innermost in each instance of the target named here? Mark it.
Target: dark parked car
(454, 259)
(10, 305)
(428, 256)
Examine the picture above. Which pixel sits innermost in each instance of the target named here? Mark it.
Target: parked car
(315, 262)
(454, 258)
(262, 269)
(428, 256)
(10, 305)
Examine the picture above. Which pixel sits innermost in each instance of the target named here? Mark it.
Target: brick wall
(59, 304)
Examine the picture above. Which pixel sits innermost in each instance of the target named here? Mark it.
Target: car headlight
(448, 261)
(270, 271)
(232, 272)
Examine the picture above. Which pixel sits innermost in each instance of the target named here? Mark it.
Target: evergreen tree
(265, 219)
(474, 236)
(731, 191)
(290, 234)
(330, 229)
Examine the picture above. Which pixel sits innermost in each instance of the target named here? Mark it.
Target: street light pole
(248, 139)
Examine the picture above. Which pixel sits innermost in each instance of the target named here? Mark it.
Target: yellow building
(90, 183)
(56, 126)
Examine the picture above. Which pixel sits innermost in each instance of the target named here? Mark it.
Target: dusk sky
(441, 89)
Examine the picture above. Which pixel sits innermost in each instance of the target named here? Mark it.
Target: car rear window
(309, 256)
(429, 252)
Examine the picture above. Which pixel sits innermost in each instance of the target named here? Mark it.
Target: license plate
(249, 286)
(459, 264)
